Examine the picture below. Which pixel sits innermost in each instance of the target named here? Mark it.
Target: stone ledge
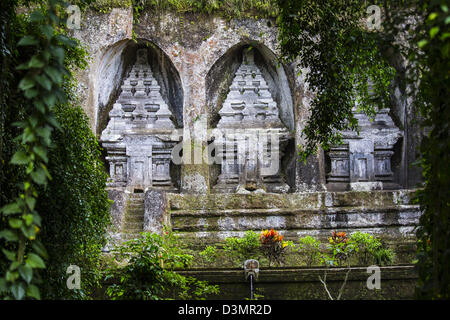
(397, 282)
(306, 200)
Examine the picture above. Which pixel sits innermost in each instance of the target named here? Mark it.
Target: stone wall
(203, 51)
(303, 283)
(194, 59)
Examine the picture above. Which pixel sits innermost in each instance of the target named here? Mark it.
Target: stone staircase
(134, 216)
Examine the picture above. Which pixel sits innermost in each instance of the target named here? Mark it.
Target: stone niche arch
(218, 82)
(221, 74)
(117, 61)
(140, 105)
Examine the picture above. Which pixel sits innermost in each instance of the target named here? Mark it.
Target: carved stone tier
(251, 135)
(138, 136)
(363, 162)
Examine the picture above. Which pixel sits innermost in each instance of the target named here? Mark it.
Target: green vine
(42, 86)
(227, 8)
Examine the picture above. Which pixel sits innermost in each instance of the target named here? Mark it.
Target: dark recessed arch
(115, 64)
(221, 74)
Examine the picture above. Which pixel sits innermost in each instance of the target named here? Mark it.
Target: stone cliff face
(200, 75)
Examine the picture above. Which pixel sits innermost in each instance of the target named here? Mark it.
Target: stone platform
(205, 219)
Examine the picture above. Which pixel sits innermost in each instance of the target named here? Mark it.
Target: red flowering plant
(273, 246)
(341, 247)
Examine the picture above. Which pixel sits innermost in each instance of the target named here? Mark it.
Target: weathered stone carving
(138, 137)
(363, 162)
(251, 137)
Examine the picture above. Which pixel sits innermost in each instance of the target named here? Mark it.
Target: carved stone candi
(250, 136)
(138, 138)
(363, 162)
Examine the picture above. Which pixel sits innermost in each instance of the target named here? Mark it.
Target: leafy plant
(74, 207)
(241, 249)
(370, 250)
(273, 246)
(309, 247)
(42, 84)
(341, 55)
(208, 255)
(146, 271)
(341, 248)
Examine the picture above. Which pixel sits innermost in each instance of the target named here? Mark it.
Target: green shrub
(340, 249)
(240, 249)
(384, 256)
(146, 271)
(72, 211)
(273, 247)
(309, 247)
(208, 255)
(370, 250)
(74, 207)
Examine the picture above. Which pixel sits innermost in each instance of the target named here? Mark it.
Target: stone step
(134, 219)
(129, 236)
(312, 200)
(285, 211)
(133, 225)
(134, 216)
(135, 210)
(287, 219)
(136, 203)
(136, 196)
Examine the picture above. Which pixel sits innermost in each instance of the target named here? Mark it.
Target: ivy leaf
(39, 176)
(40, 249)
(11, 208)
(11, 276)
(422, 43)
(18, 290)
(14, 265)
(44, 133)
(28, 218)
(52, 120)
(29, 232)
(37, 220)
(34, 261)
(9, 254)
(15, 223)
(33, 291)
(41, 107)
(47, 30)
(49, 99)
(44, 82)
(54, 74)
(66, 41)
(9, 235)
(28, 40)
(36, 16)
(31, 93)
(35, 62)
(31, 202)
(26, 83)
(59, 53)
(23, 66)
(28, 136)
(26, 273)
(433, 32)
(41, 152)
(20, 157)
